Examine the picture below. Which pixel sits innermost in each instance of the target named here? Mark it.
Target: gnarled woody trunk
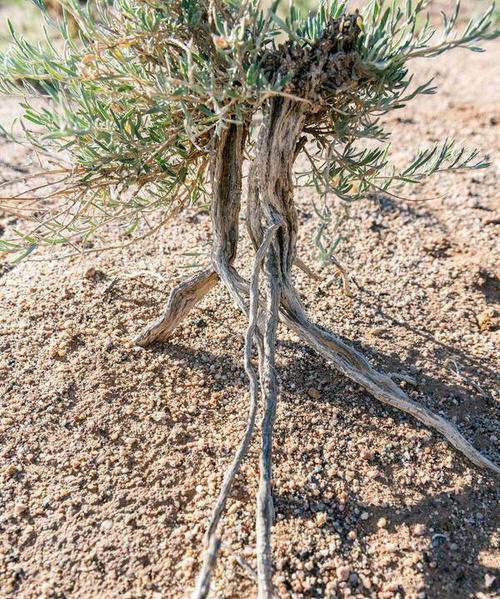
(270, 194)
(270, 204)
(226, 171)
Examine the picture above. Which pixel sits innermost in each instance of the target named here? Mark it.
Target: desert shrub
(157, 105)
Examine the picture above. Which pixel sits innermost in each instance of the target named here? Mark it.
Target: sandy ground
(111, 455)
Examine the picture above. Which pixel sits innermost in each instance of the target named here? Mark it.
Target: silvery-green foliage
(133, 104)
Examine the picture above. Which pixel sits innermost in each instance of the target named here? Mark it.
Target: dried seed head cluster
(322, 70)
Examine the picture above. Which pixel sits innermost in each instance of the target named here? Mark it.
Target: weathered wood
(181, 301)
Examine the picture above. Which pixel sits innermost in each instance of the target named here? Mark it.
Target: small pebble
(419, 530)
(489, 581)
(367, 454)
(365, 516)
(438, 540)
(486, 320)
(20, 508)
(107, 525)
(321, 519)
(343, 573)
(381, 522)
(159, 417)
(314, 393)
(9, 471)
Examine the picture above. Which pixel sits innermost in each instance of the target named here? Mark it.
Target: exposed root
(184, 297)
(342, 356)
(211, 539)
(354, 365)
(203, 583)
(181, 301)
(269, 387)
(242, 562)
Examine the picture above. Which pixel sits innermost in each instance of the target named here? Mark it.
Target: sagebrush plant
(157, 105)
